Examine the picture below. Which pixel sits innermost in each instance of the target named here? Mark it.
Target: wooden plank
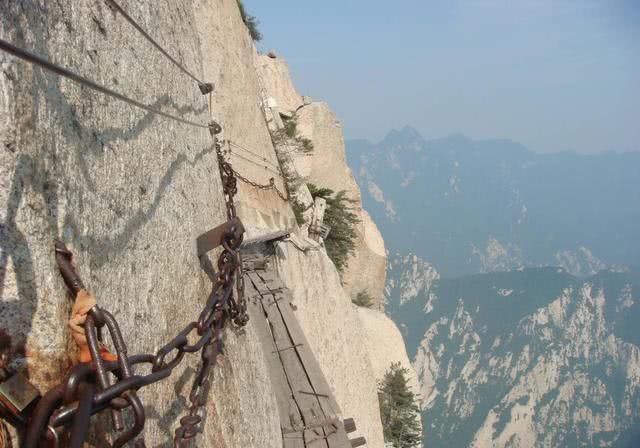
(334, 434)
(289, 414)
(318, 380)
(319, 388)
(321, 404)
(303, 373)
(287, 348)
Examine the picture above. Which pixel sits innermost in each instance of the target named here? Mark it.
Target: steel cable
(231, 143)
(266, 168)
(61, 71)
(146, 35)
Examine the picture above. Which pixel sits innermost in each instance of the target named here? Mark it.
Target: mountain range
(513, 278)
(472, 206)
(528, 358)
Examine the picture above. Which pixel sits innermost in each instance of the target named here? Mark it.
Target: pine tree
(340, 243)
(400, 415)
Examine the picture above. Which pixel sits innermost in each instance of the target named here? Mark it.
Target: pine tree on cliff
(340, 243)
(398, 410)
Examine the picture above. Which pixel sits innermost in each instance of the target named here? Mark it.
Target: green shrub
(363, 299)
(289, 135)
(290, 127)
(338, 214)
(251, 22)
(298, 211)
(307, 145)
(400, 415)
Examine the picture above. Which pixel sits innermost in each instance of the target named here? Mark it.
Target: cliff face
(326, 166)
(130, 191)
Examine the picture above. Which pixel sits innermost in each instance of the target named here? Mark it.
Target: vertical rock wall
(386, 346)
(128, 190)
(326, 166)
(228, 60)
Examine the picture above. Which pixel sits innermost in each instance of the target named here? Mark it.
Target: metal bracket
(213, 238)
(206, 87)
(17, 393)
(214, 128)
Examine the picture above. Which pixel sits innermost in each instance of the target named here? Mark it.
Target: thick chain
(270, 186)
(62, 416)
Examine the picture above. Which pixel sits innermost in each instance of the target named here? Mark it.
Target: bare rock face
(229, 58)
(326, 166)
(386, 345)
(274, 74)
(366, 268)
(335, 332)
(129, 191)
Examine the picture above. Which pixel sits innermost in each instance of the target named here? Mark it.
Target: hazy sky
(551, 74)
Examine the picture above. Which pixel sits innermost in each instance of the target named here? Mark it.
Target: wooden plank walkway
(309, 414)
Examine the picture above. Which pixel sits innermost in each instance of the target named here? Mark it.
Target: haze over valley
(513, 277)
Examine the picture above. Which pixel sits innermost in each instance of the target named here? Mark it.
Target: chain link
(270, 186)
(63, 414)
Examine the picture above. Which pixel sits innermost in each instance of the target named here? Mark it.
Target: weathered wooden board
(307, 406)
(318, 386)
(318, 380)
(305, 389)
(296, 376)
(294, 371)
(289, 414)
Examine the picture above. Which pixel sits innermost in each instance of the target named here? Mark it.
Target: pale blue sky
(551, 74)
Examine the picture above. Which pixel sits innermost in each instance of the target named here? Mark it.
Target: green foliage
(400, 415)
(340, 242)
(363, 299)
(307, 145)
(290, 127)
(290, 130)
(297, 211)
(251, 22)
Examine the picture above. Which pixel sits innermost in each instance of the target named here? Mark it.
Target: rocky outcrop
(326, 166)
(277, 84)
(366, 269)
(386, 346)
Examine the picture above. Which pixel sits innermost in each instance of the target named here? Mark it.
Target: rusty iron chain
(270, 186)
(62, 416)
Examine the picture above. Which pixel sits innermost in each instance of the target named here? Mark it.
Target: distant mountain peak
(456, 137)
(406, 135)
(411, 132)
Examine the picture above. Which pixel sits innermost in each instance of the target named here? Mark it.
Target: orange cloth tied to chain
(83, 303)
